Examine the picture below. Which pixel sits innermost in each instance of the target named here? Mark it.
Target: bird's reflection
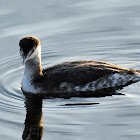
(33, 123)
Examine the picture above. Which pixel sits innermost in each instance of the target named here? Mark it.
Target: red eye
(32, 52)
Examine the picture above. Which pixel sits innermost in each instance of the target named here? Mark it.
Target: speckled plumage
(86, 78)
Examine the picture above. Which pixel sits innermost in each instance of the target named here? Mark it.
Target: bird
(80, 78)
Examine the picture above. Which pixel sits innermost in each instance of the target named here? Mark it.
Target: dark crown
(27, 43)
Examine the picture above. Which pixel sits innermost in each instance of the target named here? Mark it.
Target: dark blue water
(107, 30)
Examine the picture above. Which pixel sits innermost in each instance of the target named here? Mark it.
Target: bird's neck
(33, 68)
(32, 73)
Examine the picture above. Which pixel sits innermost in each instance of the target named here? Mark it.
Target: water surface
(107, 30)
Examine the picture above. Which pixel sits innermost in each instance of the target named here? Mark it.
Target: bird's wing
(80, 72)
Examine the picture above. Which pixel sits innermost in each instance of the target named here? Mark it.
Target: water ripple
(11, 97)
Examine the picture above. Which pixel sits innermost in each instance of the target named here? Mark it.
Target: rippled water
(107, 30)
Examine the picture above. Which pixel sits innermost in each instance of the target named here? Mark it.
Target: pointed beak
(24, 59)
(23, 56)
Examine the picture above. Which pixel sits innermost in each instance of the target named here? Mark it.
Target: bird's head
(29, 48)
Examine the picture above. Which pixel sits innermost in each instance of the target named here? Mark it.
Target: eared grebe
(85, 78)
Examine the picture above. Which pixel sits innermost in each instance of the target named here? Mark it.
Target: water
(107, 30)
